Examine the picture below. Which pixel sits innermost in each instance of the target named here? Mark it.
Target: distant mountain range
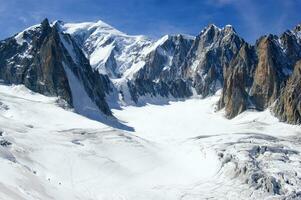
(93, 66)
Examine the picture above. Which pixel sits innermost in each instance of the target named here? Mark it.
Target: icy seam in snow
(82, 103)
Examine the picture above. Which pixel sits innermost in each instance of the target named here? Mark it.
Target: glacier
(54, 153)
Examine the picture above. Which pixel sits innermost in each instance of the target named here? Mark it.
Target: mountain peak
(297, 31)
(101, 23)
(229, 29)
(297, 28)
(98, 27)
(212, 28)
(45, 22)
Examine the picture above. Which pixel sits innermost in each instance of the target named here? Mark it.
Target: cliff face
(269, 74)
(238, 79)
(160, 74)
(211, 53)
(288, 106)
(258, 76)
(35, 61)
(38, 58)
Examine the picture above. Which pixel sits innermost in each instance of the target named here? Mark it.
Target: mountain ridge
(134, 69)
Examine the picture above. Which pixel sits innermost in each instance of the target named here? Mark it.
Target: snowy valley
(48, 152)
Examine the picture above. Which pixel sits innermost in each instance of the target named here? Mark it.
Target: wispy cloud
(287, 7)
(251, 18)
(260, 17)
(247, 12)
(223, 2)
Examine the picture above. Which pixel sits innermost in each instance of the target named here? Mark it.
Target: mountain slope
(110, 51)
(47, 152)
(160, 74)
(268, 64)
(209, 55)
(288, 106)
(49, 62)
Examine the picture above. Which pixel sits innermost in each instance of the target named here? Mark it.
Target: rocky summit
(110, 68)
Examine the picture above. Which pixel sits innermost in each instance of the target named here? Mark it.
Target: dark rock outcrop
(211, 52)
(288, 107)
(258, 74)
(235, 98)
(177, 89)
(34, 62)
(161, 75)
(237, 82)
(269, 75)
(36, 58)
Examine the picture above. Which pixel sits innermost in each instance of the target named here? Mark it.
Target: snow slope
(258, 155)
(199, 117)
(182, 150)
(57, 154)
(109, 50)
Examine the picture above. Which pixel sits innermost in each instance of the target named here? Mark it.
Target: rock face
(288, 107)
(183, 64)
(211, 52)
(30, 59)
(38, 58)
(237, 82)
(269, 73)
(160, 74)
(259, 73)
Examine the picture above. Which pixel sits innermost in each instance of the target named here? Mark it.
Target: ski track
(184, 150)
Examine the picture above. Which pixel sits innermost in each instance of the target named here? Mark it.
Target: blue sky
(154, 18)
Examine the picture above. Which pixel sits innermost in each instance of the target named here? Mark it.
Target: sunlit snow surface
(183, 150)
(101, 41)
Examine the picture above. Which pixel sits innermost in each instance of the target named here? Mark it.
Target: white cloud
(23, 19)
(255, 19)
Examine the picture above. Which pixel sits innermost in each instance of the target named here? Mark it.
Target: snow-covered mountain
(130, 137)
(110, 51)
(118, 69)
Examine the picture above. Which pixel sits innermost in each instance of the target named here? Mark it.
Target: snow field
(181, 150)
